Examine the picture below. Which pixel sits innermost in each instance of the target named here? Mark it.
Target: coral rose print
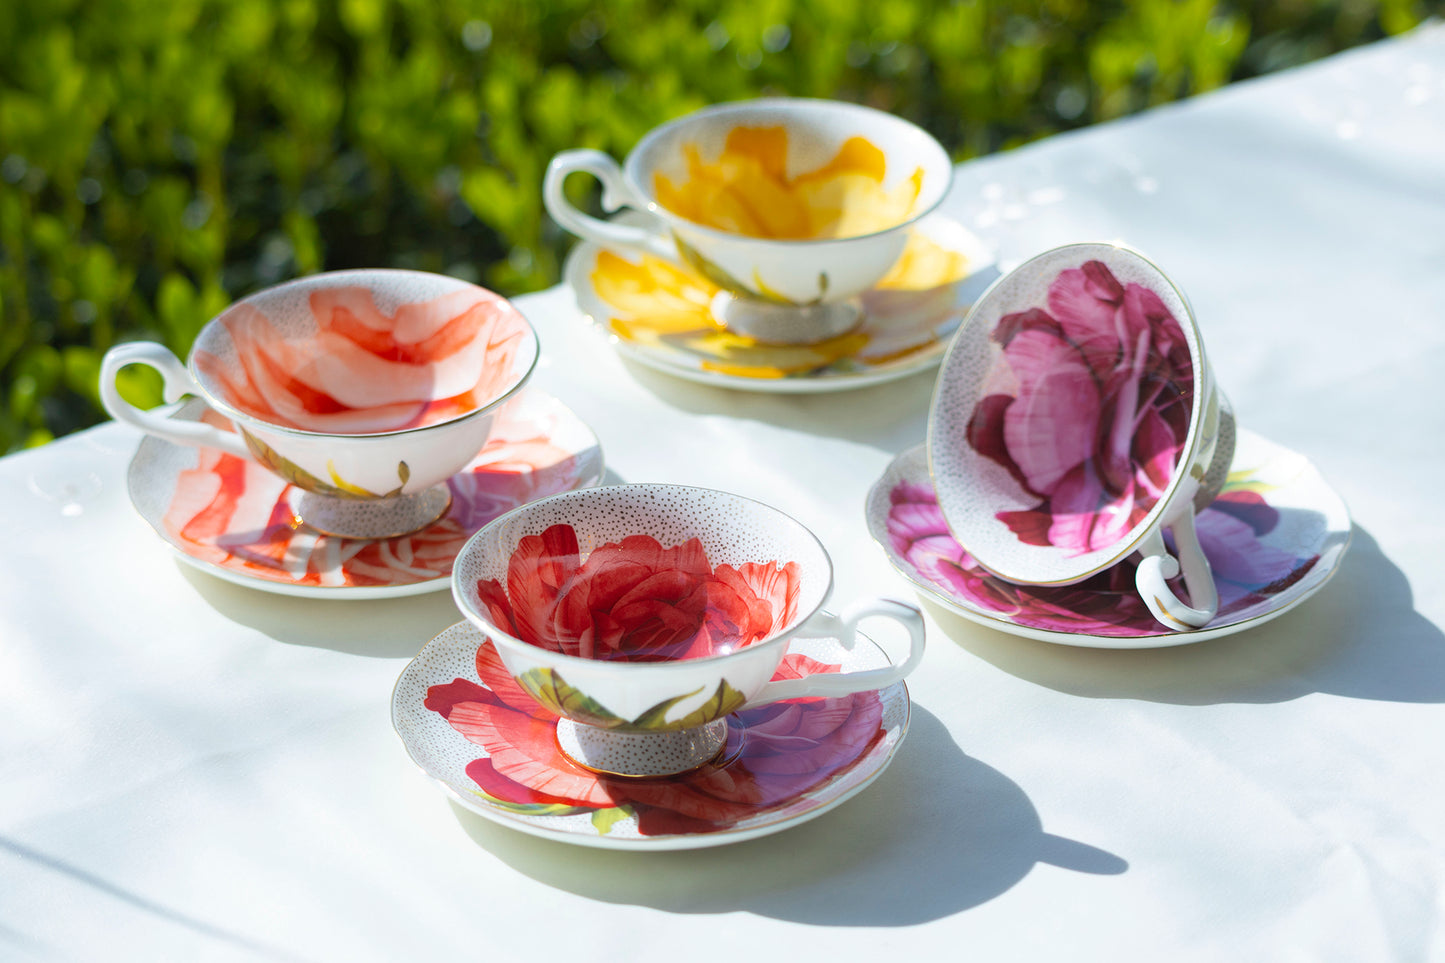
(363, 370)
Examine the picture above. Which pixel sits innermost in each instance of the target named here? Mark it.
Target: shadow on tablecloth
(938, 833)
(1359, 637)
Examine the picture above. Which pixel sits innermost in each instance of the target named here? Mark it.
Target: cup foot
(374, 517)
(617, 753)
(786, 323)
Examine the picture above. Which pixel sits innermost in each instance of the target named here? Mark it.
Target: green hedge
(162, 157)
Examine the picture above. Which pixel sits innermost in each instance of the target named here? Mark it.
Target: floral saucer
(236, 520)
(660, 314)
(1274, 537)
(782, 764)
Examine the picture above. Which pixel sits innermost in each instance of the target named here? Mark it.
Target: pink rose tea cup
(1075, 421)
(366, 389)
(644, 615)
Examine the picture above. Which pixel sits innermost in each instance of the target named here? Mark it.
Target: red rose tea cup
(365, 389)
(644, 615)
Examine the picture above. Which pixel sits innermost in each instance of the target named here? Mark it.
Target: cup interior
(792, 169)
(364, 352)
(1065, 411)
(642, 573)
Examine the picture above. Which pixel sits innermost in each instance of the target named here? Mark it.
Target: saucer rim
(927, 357)
(329, 592)
(1164, 638)
(660, 843)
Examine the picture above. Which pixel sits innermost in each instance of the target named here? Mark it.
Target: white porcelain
(654, 608)
(782, 765)
(787, 271)
(368, 389)
(219, 512)
(1074, 422)
(1275, 535)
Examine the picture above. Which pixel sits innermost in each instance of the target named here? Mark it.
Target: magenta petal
(909, 523)
(907, 491)
(1084, 518)
(1011, 326)
(985, 434)
(1144, 309)
(1155, 455)
(1086, 301)
(922, 552)
(1236, 555)
(1250, 508)
(1050, 428)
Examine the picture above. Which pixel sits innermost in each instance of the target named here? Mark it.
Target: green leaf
(604, 819)
(532, 809)
(298, 476)
(549, 688)
(721, 278)
(724, 701)
(656, 717)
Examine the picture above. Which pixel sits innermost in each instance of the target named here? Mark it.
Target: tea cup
(1075, 421)
(643, 615)
(793, 207)
(365, 389)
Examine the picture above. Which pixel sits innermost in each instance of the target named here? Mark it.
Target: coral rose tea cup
(365, 389)
(644, 615)
(793, 207)
(1075, 421)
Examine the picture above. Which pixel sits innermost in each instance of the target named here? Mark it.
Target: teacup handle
(844, 628)
(177, 383)
(1157, 566)
(615, 193)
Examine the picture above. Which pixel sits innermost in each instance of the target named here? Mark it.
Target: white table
(193, 770)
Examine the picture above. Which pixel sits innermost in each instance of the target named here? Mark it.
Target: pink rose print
(1091, 409)
(1246, 569)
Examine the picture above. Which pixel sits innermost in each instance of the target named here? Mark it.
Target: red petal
(524, 749)
(441, 698)
(498, 679)
(498, 786)
(541, 565)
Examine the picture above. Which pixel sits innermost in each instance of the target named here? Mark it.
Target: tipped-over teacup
(366, 389)
(1075, 421)
(644, 615)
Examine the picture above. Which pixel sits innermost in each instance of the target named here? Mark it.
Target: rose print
(789, 748)
(1231, 529)
(364, 370)
(1088, 408)
(635, 600)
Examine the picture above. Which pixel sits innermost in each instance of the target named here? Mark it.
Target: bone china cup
(791, 205)
(1075, 420)
(365, 389)
(643, 615)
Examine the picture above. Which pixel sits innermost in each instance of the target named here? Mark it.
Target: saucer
(235, 520)
(1274, 537)
(782, 765)
(660, 314)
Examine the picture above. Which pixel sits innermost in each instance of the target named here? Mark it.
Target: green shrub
(162, 157)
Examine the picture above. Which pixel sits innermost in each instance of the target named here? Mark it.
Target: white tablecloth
(194, 770)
